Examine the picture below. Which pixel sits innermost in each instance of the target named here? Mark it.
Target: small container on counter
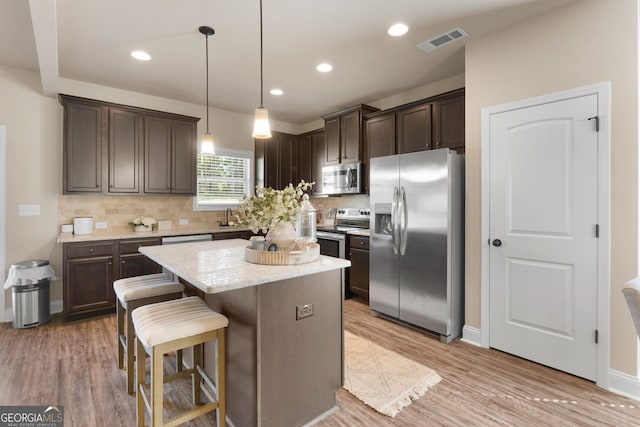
(66, 228)
(83, 225)
(257, 243)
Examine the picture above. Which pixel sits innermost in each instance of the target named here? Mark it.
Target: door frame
(5, 314)
(603, 92)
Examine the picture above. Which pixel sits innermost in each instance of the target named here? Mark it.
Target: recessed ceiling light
(276, 92)
(140, 55)
(324, 67)
(397, 30)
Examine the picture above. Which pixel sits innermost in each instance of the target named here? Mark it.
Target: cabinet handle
(91, 249)
(361, 243)
(123, 261)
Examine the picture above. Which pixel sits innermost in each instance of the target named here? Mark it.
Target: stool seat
(170, 326)
(150, 285)
(171, 320)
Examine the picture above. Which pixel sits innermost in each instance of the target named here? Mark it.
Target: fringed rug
(384, 380)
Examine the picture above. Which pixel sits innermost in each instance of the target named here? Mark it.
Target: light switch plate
(101, 225)
(29, 210)
(184, 222)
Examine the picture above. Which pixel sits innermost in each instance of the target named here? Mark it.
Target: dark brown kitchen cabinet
(276, 160)
(414, 129)
(89, 271)
(359, 271)
(104, 153)
(310, 158)
(169, 155)
(83, 135)
(125, 131)
(380, 134)
(133, 263)
(448, 121)
(344, 135)
(226, 235)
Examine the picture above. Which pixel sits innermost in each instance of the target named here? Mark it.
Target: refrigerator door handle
(394, 221)
(403, 219)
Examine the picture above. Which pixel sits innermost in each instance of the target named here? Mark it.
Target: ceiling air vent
(442, 39)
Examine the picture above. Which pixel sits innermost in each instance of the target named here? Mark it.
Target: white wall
(585, 42)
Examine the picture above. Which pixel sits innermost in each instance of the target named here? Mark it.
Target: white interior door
(543, 216)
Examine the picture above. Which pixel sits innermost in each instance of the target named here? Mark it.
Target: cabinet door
(82, 148)
(157, 154)
(287, 161)
(241, 234)
(124, 151)
(271, 162)
(350, 137)
(319, 149)
(183, 153)
(414, 129)
(332, 141)
(89, 284)
(380, 135)
(305, 158)
(448, 117)
(359, 274)
(132, 265)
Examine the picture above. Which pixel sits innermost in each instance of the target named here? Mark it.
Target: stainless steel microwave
(344, 178)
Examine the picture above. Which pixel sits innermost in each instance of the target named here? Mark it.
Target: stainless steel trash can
(31, 306)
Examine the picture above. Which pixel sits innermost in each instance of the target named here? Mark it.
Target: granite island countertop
(220, 266)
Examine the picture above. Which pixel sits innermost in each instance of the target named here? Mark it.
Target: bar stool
(134, 292)
(169, 326)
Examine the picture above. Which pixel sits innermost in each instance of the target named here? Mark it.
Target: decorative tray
(311, 253)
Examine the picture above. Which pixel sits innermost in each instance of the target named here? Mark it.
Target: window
(223, 179)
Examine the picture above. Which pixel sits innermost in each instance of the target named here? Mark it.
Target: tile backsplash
(117, 211)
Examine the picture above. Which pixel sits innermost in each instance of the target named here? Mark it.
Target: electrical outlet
(303, 311)
(184, 222)
(101, 225)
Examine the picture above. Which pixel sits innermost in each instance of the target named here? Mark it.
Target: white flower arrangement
(268, 207)
(147, 221)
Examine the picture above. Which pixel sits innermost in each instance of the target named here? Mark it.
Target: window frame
(227, 152)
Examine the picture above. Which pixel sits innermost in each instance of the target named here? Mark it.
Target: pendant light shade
(206, 144)
(261, 129)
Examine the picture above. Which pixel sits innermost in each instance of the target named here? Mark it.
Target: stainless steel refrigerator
(417, 240)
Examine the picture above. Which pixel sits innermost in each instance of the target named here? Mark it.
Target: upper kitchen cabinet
(448, 122)
(276, 160)
(344, 135)
(311, 152)
(169, 155)
(436, 122)
(83, 153)
(107, 149)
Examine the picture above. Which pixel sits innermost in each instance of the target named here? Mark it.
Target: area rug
(384, 380)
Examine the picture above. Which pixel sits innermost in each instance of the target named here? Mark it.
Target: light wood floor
(74, 365)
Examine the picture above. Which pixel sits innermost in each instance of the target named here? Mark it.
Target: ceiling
(90, 41)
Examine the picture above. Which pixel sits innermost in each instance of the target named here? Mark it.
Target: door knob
(496, 242)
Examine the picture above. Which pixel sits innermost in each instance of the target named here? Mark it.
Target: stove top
(348, 219)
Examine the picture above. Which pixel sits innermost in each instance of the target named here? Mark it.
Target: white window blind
(223, 180)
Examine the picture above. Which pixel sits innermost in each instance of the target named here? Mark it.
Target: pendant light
(261, 129)
(206, 146)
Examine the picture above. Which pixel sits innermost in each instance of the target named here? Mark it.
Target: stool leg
(130, 340)
(140, 372)
(156, 387)
(197, 362)
(120, 330)
(179, 366)
(220, 381)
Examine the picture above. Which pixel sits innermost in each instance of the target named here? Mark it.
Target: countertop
(128, 233)
(363, 232)
(220, 266)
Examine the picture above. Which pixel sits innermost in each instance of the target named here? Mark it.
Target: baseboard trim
(624, 384)
(471, 335)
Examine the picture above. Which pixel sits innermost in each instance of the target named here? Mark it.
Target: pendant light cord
(261, 77)
(206, 38)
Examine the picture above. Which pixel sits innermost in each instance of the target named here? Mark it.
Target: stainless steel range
(333, 239)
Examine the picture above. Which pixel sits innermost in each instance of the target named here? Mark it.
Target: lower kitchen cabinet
(89, 271)
(132, 262)
(359, 272)
(90, 268)
(240, 234)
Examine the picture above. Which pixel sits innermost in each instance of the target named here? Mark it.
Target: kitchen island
(282, 369)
